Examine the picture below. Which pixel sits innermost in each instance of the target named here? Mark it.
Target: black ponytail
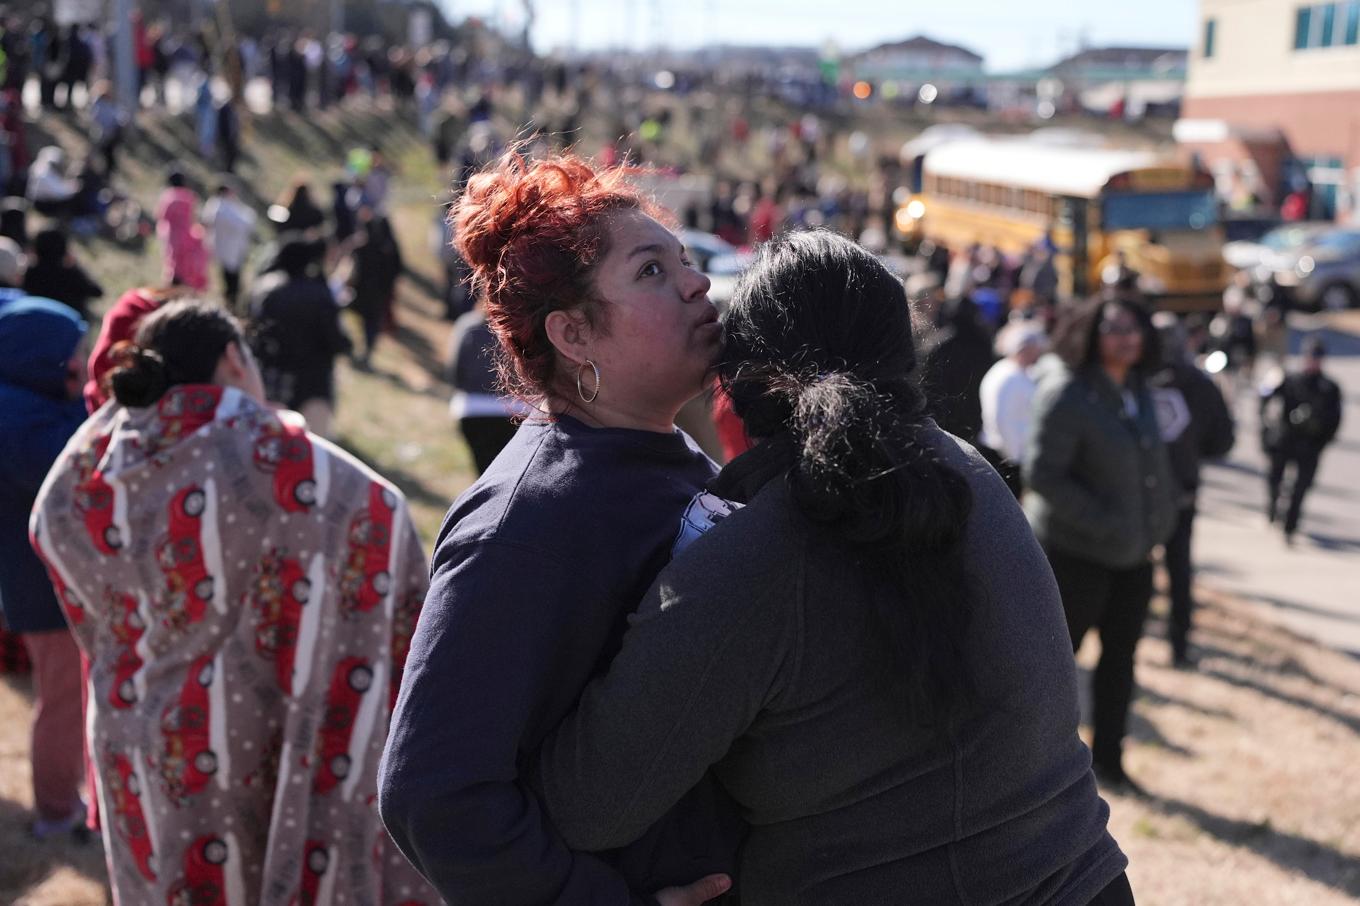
(819, 365)
(179, 343)
(138, 377)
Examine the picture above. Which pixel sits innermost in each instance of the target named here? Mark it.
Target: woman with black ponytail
(870, 654)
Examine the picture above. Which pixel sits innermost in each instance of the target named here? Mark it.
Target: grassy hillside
(395, 417)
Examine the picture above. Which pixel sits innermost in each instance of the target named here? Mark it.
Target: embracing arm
(478, 673)
(701, 659)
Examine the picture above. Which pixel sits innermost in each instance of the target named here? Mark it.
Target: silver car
(1247, 255)
(1324, 274)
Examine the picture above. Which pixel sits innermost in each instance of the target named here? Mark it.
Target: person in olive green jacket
(1100, 496)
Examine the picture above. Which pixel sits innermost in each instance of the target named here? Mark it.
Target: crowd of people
(831, 669)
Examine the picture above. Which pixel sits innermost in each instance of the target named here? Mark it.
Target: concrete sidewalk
(1314, 587)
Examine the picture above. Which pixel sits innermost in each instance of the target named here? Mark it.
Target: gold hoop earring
(579, 390)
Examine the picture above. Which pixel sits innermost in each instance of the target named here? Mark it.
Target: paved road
(1313, 588)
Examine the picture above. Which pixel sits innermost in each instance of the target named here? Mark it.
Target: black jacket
(955, 358)
(65, 283)
(1303, 412)
(1195, 421)
(297, 337)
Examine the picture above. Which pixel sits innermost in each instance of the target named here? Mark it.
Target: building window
(1328, 27)
(1210, 25)
(1323, 25)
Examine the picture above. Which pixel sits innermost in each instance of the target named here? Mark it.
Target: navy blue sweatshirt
(536, 568)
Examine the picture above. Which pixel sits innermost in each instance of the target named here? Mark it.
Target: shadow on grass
(1160, 699)
(1140, 728)
(1348, 721)
(415, 489)
(1294, 852)
(27, 862)
(1332, 542)
(1209, 643)
(418, 345)
(424, 283)
(20, 683)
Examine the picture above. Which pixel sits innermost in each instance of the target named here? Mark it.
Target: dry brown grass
(56, 872)
(1253, 763)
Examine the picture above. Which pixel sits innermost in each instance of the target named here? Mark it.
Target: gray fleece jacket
(748, 654)
(1098, 483)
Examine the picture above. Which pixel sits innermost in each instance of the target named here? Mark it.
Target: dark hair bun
(530, 231)
(139, 377)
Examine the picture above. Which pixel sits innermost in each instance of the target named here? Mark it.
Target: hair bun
(518, 197)
(139, 377)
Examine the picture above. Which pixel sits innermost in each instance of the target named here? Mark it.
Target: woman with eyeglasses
(1099, 496)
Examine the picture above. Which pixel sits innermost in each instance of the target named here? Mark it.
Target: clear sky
(1010, 34)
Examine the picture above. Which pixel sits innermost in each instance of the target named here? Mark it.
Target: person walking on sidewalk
(1100, 496)
(1299, 418)
(1196, 425)
(42, 371)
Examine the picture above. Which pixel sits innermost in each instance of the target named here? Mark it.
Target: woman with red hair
(606, 330)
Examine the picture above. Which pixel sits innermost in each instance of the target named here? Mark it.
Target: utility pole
(125, 63)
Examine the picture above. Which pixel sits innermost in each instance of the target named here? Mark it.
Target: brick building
(1272, 100)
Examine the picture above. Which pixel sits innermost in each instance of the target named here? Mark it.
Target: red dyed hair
(532, 232)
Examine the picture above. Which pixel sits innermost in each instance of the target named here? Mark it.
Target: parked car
(127, 633)
(1324, 274)
(94, 500)
(1245, 255)
(189, 756)
(204, 880)
(189, 586)
(337, 736)
(285, 451)
(364, 579)
(124, 790)
(279, 597)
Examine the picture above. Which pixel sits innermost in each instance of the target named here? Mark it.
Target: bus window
(1159, 211)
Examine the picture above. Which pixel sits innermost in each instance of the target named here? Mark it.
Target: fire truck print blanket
(246, 593)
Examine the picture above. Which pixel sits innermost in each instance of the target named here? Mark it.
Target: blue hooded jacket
(37, 338)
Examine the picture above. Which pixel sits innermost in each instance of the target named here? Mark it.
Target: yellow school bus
(1092, 202)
